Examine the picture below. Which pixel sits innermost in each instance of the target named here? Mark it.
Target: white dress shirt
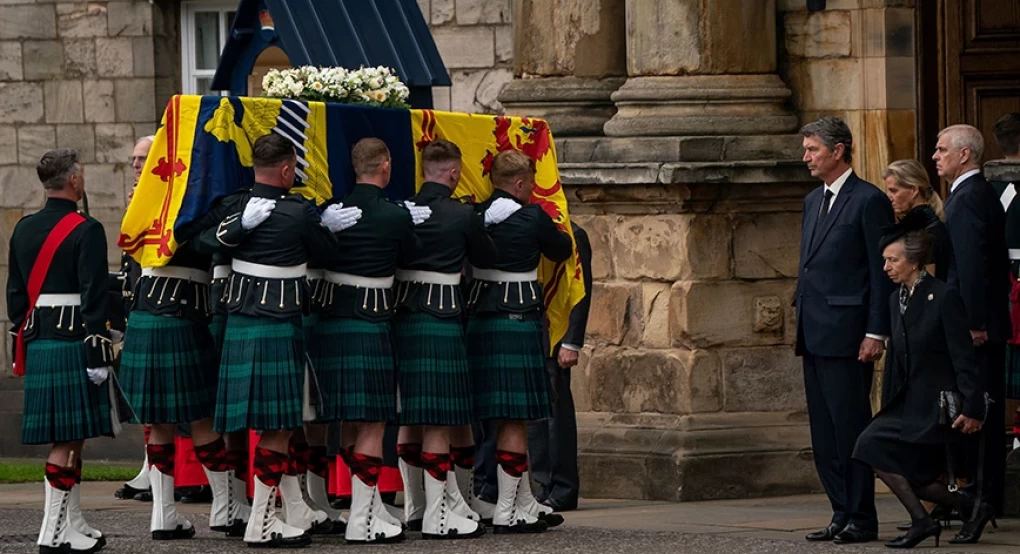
(963, 178)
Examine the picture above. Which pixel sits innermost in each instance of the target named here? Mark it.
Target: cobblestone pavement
(751, 526)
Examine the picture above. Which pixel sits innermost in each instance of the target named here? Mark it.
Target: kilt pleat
(168, 369)
(432, 371)
(353, 360)
(61, 404)
(261, 375)
(508, 368)
(218, 326)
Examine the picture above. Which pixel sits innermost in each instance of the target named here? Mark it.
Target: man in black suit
(977, 227)
(552, 444)
(842, 322)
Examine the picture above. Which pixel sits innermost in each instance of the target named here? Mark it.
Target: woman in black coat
(929, 351)
(910, 192)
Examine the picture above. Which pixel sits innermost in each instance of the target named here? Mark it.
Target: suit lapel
(837, 207)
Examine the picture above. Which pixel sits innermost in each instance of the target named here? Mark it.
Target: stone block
(21, 103)
(19, 187)
(611, 307)
(464, 48)
(477, 91)
(617, 149)
(580, 377)
(105, 184)
(135, 100)
(475, 12)
(705, 314)
(636, 381)
(775, 147)
(129, 19)
(766, 245)
(701, 149)
(34, 141)
(80, 137)
(762, 380)
(44, 59)
(24, 21)
(768, 314)
(600, 234)
(79, 58)
(827, 84)
(664, 38)
(114, 143)
(8, 146)
(8, 219)
(655, 310)
(443, 11)
(143, 57)
(671, 247)
(504, 44)
(425, 7)
(10, 61)
(114, 57)
(99, 101)
(64, 102)
(81, 19)
(441, 98)
(800, 5)
(824, 34)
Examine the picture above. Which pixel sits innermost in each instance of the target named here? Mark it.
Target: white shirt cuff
(877, 337)
(572, 347)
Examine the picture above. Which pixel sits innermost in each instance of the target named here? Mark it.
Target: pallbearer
(505, 337)
(262, 366)
(57, 301)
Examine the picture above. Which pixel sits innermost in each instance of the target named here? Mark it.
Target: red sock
(213, 456)
(269, 466)
(437, 464)
(60, 478)
(237, 460)
(345, 455)
(463, 456)
(513, 463)
(298, 454)
(410, 452)
(366, 468)
(161, 457)
(318, 462)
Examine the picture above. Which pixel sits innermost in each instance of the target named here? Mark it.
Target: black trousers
(552, 444)
(992, 360)
(838, 391)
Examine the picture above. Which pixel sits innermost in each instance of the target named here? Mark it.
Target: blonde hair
(368, 155)
(509, 165)
(911, 174)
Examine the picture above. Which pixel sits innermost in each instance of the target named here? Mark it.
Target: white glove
(336, 217)
(116, 336)
(499, 210)
(419, 214)
(98, 375)
(256, 211)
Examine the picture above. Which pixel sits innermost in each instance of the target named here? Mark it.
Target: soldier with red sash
(57, 301)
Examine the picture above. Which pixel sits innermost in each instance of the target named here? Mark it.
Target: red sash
(35, 279)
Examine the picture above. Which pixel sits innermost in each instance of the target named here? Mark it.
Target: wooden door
(970, 67)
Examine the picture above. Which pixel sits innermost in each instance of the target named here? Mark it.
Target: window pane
(203, 85)
(207, 40)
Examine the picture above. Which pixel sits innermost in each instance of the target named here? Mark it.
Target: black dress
(930, 351)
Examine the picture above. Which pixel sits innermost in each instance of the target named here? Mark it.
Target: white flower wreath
(372, 86)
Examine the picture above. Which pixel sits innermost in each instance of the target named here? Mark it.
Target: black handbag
(950, 406)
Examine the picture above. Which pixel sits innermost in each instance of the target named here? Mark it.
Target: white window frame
(189, 73)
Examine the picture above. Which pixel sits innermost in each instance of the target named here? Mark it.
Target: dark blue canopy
(335, 33)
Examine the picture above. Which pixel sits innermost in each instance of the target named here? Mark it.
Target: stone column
(701, 67)
(569, 57)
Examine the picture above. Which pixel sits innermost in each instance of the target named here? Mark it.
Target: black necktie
(826, 204)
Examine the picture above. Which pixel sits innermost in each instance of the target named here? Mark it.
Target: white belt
(431, 277)
(269, 271)
(186, 273)
(221, 271)
(1014, 253)
(316, 274)
(498, 276)
(55, 300)
(359, 281)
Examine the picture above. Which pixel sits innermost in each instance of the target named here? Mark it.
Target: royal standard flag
(203, 152)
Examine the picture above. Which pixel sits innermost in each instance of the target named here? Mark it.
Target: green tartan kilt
(168, 369)
(61, 404)
(217, 327)
(1013, 371)
(508, 368)
(353, 360)
(262, 369)
(432, 371)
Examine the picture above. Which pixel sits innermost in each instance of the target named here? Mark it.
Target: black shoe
(826, 534)
(551, 520)
(972, 530)
(853, 534)
(196, 495)
(180, 533)
(561, 506)
(915, 535)
(454, 535)
(127, 492)
(521, 528)
(280, 542)
(324, 527)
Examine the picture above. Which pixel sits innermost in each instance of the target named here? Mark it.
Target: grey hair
(56, 166)
(917, 246)
(150, 138)
(965, 136)
(831, 131)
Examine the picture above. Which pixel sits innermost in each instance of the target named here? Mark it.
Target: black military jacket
(79, 267)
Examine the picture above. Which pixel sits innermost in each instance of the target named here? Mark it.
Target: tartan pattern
(60, 478)
(507, 368)
(269, 466)
(367, 468)
(1013, 371)
(162, 457)
(353, 360)
(61, 404)
(217, 327)
(168, 369)
(262, 371)
(432, 371)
